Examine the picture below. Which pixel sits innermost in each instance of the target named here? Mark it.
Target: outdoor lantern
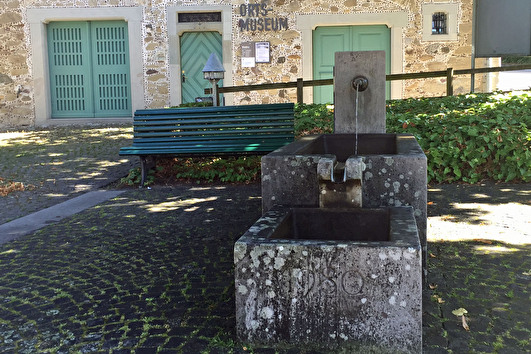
(214, 71)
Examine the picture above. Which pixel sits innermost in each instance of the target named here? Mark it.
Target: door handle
(183, 78)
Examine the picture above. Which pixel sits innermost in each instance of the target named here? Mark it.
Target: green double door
(89, 69)
(196, 48)
(329, 40)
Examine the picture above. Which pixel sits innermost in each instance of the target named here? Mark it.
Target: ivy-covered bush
(313, 119)
(469, 138)
(466, 138)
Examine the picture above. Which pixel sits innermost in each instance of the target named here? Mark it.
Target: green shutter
(110, 52)
(70, 69)
(196, 48)
(89, 69)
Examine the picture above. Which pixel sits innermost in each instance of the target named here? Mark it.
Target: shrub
(228, 169)
(313, 119)
(471, 137)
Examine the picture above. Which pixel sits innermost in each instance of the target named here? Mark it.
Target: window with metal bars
(439, 23)
(199, 17)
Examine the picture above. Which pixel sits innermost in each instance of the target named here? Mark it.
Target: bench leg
(146, 163)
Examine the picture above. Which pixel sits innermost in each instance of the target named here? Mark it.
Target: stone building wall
(17, 103)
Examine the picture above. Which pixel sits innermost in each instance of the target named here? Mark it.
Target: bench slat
(216, 127)
(201, 150)
(275, 107)
(171, 140)
(197, 115)
(212, 132)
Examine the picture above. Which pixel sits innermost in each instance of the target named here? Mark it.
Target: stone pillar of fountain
(371, 101)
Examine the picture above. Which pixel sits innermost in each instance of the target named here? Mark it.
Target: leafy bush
(229, 169)
(194, 104)
(313, 119)
(471, 137)
(135, 177)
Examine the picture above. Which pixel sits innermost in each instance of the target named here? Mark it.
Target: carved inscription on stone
(328, 282)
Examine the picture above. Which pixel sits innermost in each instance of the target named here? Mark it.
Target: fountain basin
(395, 172)
(342, 146)
(331, 277)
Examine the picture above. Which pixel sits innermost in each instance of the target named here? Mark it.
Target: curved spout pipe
(360, 83)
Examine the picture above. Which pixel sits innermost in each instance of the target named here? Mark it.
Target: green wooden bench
(209, 131)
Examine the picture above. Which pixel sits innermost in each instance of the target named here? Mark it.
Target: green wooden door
(70, 69)
(196, 48)
(329, 40)
(110, 52)
(89, 69)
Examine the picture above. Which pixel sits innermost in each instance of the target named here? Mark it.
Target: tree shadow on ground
(489, 279)
(472, 203)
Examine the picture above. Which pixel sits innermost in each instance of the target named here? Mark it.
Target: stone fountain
(336, 259)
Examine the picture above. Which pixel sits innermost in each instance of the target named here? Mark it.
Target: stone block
(325, 277)
(371, 101)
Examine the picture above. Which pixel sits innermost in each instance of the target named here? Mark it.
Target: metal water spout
(340, 185)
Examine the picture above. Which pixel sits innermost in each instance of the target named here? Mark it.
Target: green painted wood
(89, 69)
(196, 48)
(259, 133)
(110, 51)
(374, 38)
(70, 69)
(328, 40)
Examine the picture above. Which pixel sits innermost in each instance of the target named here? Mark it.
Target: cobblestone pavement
(152, 270)
(57, 163)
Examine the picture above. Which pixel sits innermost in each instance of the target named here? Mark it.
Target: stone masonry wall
(16, 92)
(422, 56)
(16, 102)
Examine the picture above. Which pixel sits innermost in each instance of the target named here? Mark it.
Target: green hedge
(466, 138)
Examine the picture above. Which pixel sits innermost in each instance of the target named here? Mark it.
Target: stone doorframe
(176, 29)
(39, 17)
(396, 21)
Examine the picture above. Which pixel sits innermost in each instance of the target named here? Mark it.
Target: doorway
(330, 39)
(196, 48)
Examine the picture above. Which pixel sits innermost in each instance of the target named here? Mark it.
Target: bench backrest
(271, 121)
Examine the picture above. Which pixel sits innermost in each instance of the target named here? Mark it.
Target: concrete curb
(32, 222)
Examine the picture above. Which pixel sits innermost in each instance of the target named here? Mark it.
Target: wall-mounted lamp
(213, 72)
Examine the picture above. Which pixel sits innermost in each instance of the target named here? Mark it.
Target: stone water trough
(330, 277)
(337, 257)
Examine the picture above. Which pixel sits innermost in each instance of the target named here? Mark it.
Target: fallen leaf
(432, 255)
(488, 242)
(459, 312)
(433, 286)
(465, 325)
(431, 203)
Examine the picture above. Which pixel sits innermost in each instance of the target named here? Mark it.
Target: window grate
(439, 23)
(199, 17)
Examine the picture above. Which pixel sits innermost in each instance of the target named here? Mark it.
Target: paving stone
(175, 342)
